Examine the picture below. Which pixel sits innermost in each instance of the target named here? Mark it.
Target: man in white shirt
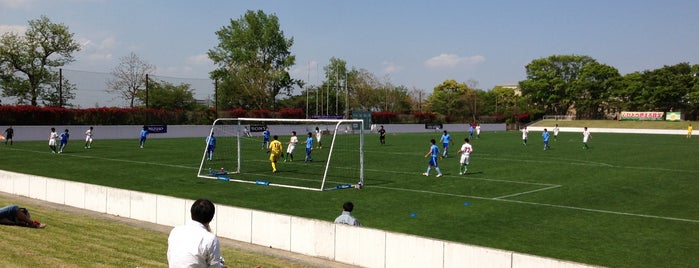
(88, 138)
(193, 244)
(525, 134)
(291, 147)
(586, 137)
(465, 152)
(346, 216)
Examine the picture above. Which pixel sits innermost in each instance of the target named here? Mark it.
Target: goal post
(240, 154)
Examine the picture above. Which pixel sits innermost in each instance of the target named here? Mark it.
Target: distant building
(515, 86)
(205, 102)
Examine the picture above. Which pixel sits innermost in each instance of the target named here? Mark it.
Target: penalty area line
(527, 192)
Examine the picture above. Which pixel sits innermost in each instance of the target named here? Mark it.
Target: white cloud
(391, 67)
(452, 60)
(98, 51)
(201, 59)
(18, 29)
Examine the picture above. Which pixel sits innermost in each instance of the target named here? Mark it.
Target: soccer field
(627, 201)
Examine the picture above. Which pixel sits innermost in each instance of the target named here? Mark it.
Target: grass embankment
(80, 238)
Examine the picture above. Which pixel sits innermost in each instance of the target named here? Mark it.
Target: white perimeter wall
(359, 246)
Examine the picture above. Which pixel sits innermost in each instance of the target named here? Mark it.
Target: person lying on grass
(14, 215)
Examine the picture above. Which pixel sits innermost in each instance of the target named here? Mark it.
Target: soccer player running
(144, 135)
(210, 145)
(382, 136)
(432, 155)
(525, 134)
(64, 140)
(546, 135)
(309, 147)
(465, 151)
(555, 133)
(446, 140)
(88, 138)
(586, 137)
(9, 133)
(470, 130)
(478, 130)
(291, 147)
(275, 149)
(53, 136)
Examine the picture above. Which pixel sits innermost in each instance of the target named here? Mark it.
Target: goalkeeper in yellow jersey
(275, 150)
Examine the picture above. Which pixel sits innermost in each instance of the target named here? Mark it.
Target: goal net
(240, 153)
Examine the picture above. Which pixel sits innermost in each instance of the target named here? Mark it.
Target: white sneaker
(425, 174)
(439, 175)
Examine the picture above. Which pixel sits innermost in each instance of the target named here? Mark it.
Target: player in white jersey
(291, 147)
(88, 138)
(319, 135)
(586, 137)
(525, 134)
(53, 136)
(465, 151)
(555, 133)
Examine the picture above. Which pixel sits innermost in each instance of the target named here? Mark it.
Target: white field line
(111, 159)
(527, 192)
(542, 204)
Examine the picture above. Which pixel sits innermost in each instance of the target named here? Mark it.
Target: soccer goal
(241, 155)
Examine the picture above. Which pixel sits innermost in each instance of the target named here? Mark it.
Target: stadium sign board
(641, 116)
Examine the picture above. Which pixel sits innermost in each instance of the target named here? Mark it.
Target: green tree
(667, 88)
(130, 78)
(692, 110)
(549, 84)
(253, 58)
(53, 98)
(167, 96)
(593, 89)
(627, 96)
(28, 62)
(451, 98)
(369, 92)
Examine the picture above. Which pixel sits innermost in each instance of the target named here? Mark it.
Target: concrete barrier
(359, 246)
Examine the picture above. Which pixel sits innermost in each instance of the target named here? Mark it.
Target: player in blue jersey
(470, 130)
(210, 145)
(446, 140)
(144, 135)
(546, 135)
(432, 155)
(265, 138)
(64, 140)
(309, 147)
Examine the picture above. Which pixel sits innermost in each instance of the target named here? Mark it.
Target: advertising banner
(641, 116)
(156, 128)
(673, 116)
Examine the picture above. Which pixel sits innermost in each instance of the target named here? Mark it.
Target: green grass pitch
(630, 200)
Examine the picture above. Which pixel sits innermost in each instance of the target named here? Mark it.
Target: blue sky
(418, 44)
